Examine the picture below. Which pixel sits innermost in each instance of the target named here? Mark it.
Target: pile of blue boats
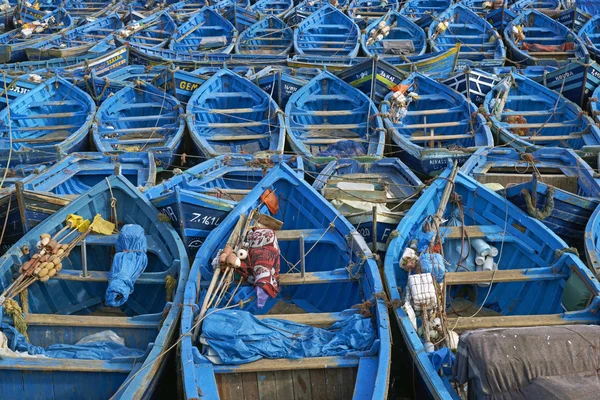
(261, 191)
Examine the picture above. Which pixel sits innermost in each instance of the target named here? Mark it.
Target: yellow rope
(24, 298)
(13, 309)
(170, 285)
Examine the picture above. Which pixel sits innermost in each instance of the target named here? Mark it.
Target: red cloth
(261, 267)
(549, 47)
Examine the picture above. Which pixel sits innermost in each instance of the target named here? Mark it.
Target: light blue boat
(277, 8)
(430, 123)
(499, 303)
(338, 272)
(71, 305)
(364, 12)
(328, 118)
(199, 199)
(270, 35)
(204, 32)
(399, 37)
(422, 12)
(230, 114)
(590, 33)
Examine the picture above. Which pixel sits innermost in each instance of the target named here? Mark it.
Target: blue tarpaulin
(238, 337)
(344, 148)
(128, 264)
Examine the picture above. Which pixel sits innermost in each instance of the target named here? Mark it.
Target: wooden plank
(472, 231)
(313, 319)
(332, 193)
(267, 385)
(433, 125)
(513, 321)
(250, 382)
(65, 365)
(331, 141)
(439, 137)
(544, 138)
(542, 125)
(511, 275)
(329, 127)
(227, 138)
(289, 365)
(284, 385)
(86, 321)
(301, 384)
(318, 384)
(230, 387)
(294, 234)
(147, 278)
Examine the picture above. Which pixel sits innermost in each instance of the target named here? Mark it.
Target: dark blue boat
(75, 41)
(430, 123)
(179, 84)
(374, 77)
(393, 35)
(42, 195)
(422, 12)
(140, 118)
(12, 87)
(533, 38)
(329, 118)
(152, 32)
(548, 7)
(499, 302)
(205, 32)
(198, 199)
(364, 12)
(239, 15)
(474, 84)
(528, 116)
(327, 32)
(14, 43)
(45, 124)
(278, 83)
(326, 268)
(277, 8)
(71, 305)
(481, 45)
(573, 18)
(549, 176)
(590, 33)
(270, 35)
(372, 196)
(230, 114)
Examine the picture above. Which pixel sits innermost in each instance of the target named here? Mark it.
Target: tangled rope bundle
(548, 207)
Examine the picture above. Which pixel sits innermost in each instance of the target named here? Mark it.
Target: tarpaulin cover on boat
(129, 263)
(530, 363)
(238, 337)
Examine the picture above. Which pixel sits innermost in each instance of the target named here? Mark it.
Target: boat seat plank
(89, 321)
(512, 321)
(147, 278)
(227, 138)
(550, 138)
(433, 125)
(542, 125)
(312, 319)
(309, 278)
(328, 127)
(266, 365)
(330, 141)
(66, 365)
(232, 125)
(533, 113)
(511, 275)
(440, 137)
(294, 234)
(437, 111)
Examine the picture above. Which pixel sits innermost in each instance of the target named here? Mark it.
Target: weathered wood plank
(301, 383)
(250, 382)
(267, 385)
(512, 321)
(318, 384)
(511, 275)
(316, 319)
(289, 365)
(230, 387)
(85, 321)
(284, 385)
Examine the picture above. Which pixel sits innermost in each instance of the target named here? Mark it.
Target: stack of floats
(257, 172)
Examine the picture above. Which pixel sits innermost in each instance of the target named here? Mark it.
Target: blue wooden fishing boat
(595, 104)
(482, 7)
(474, 84)
(270, 35)
(500, 18)
(278, 83)
(329, 118)
(13, 87)
(205, 32)
(71, 305)
(363, 12)
(576, 81)
(199, 199)
(528, 116)
(590, 33)
(481, 45)
(592, 242)
(230, 114)
(181, 11)
(534, 72)
(277, 8)
(423, 12)
(393, 35)
(336, 274)
(327, 32)
(238, 14)
(179, 84)
(373, 196)
(75, 41)
(91, 9)
(140, 118)
(374, 77)
(152, 32)
(306, 7)
(45, 124)
(498, 302)
(14, 42)
(430, 123)
(552, 185)
(548, 7)
(533, 38)
(573, 18)
(42, 195)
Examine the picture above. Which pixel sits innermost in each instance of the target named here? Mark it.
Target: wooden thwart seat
(513, 321)
(265, 365)
(511, 275)
(88, 321)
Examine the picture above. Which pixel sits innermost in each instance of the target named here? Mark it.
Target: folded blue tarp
(128, 264)
(238, 337)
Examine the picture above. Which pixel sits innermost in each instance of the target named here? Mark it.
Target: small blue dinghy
(239, 15)
(277, 8)
(474, 84)
(373, 196)
(595, 105)
(327, 32)
(140, 118)
(75, 41)
(152, 32)
(548, 7)
(329, 118)
(423, 12)
(45, 124)
(42, 195)
(205, 32)
(320, 270)
(481, 45)
(430, 123)
(590, 33)
(552, 185)
(592, 242)
(393, 35)
(533, 38)
(95, 318)
(492, 306)
(279, 83)
(198, 199)
(528, 116)
(270, 35)
(363, 12)
(14, 42)
(230, 114)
